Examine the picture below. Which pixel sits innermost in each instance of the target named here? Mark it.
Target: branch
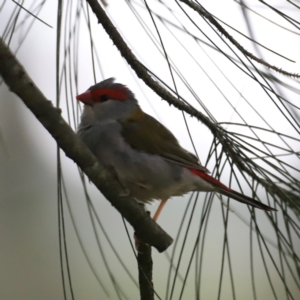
(203, 12)
(21, 84)
(145, 267)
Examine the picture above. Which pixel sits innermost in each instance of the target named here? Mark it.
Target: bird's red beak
(86, 98)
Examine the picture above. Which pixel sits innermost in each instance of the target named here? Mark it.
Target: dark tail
(245, 199)
(224, 190)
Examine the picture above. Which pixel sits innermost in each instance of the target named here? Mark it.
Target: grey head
(107, 101)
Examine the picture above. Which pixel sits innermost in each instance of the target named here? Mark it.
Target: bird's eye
(103, 98)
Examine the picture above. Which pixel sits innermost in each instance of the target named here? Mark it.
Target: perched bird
(143, 155)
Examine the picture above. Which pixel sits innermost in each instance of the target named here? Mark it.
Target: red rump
(209, 179)
(119, 94)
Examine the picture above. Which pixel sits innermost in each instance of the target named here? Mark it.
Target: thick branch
(21, 84)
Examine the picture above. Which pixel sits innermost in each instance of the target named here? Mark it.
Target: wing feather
(145, 133)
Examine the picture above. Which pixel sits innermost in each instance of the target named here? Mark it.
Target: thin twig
(32, 14)
(145, 271)
(145, 267)
(199, 9)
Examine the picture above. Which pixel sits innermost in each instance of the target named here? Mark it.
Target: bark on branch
(21, 84)
(145, 265)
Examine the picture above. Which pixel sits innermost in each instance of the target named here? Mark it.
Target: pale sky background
(29, 248)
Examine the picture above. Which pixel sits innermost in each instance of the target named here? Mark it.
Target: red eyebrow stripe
(115, 94)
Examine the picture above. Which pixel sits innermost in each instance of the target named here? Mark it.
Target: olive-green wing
(145, 133)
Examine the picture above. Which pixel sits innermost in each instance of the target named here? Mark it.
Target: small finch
(143, 155)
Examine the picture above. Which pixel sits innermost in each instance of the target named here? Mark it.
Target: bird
(141, 153)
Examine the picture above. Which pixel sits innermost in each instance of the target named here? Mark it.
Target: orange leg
(159, 209)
